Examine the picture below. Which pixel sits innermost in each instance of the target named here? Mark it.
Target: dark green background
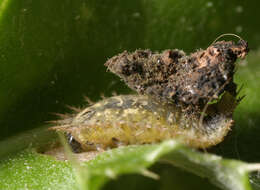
(52, 52)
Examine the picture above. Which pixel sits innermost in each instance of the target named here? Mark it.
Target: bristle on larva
(74, 109)
(88, 100)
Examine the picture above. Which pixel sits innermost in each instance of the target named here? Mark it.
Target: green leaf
(35, 171)
(28, 170)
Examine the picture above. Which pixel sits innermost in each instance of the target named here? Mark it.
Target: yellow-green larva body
(138, 119)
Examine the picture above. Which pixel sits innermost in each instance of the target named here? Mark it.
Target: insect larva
(191, 98)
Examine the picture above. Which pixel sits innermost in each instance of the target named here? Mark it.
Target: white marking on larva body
(155, 113)
(108, 112)
(116, 112)
(148, 126)
(120, 103)
(81, 136)
(143, 112)
(134, 102)
(82, 113)
(144, 103)
(139, 132)
(170, 118)
(99, 104)
(99, 114)
(131, 111)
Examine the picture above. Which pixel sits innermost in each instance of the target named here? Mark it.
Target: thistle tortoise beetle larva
(174, 91)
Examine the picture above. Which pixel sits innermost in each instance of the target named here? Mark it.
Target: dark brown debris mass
(174, 77)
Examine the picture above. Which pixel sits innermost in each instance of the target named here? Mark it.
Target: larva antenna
(227, 34)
